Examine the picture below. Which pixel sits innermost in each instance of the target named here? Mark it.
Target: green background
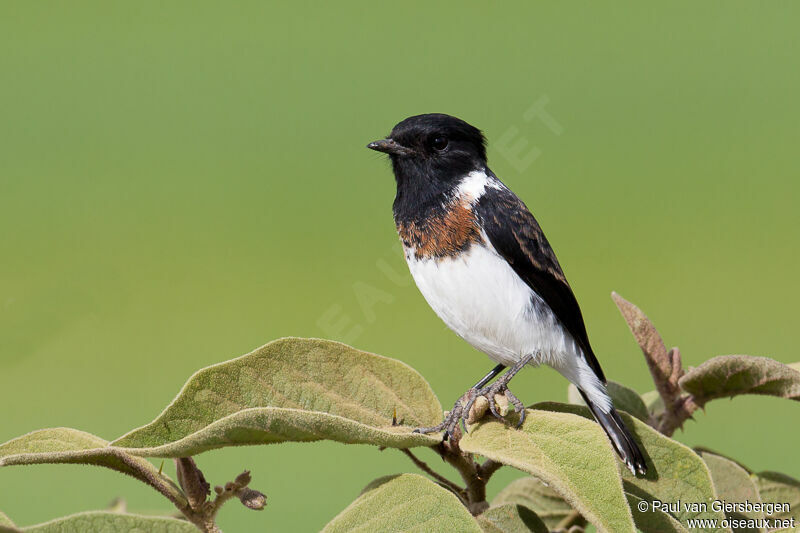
(182, 182)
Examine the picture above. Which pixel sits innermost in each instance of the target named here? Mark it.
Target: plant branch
(201, 511)
(142, 471)
(676, 414)
(460, 491)
(488, 468)
(470, 472)
(474, 474)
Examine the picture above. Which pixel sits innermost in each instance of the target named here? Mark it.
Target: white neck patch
(473, 186)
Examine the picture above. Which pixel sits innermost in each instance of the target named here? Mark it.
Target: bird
(484, 265)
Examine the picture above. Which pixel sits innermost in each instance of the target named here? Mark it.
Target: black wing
(517, 237)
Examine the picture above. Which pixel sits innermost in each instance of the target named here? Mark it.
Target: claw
(501, 400)
(521, 418)
(468, 407)
(493, 407)
(518, 406)
(463, 407)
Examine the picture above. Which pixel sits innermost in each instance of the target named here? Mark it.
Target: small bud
(501, 404)
(192, 481)
(252, 499)
(118, 505)
(478, 409)
(243, 479)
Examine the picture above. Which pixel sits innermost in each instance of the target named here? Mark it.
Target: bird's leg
(489, 377)
(501, 387)
(458, 412)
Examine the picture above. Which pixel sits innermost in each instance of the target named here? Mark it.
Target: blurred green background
(182, 182)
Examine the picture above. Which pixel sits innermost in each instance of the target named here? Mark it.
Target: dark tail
(620, 437)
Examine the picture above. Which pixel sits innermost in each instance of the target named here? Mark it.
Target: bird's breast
(480, 297)
(446, 232)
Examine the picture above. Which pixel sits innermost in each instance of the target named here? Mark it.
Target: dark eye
(439, 143)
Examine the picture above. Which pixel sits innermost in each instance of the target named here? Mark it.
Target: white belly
(480, 297)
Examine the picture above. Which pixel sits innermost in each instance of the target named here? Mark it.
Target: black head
(438, 146)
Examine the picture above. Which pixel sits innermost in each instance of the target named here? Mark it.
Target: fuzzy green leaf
(5, 520)
(732, 483)
(297, 390)
(674, 472)
(624, 398)
(104, 521)
(406, 502)
(652, 520)
(6, 525)
(59, 445)
(529, 492)
(780, 489)
(569, 453)
(702, 450)
(730, 375)
(71, 446)
(511, 518)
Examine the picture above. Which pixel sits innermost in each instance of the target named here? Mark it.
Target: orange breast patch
(442, 235)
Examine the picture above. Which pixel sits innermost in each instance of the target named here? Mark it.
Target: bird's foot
(450, 423)
(500, 388)
(466, 409)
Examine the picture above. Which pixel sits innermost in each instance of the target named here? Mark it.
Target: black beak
(389, 146)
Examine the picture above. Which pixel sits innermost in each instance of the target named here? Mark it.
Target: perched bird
(483, 264)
